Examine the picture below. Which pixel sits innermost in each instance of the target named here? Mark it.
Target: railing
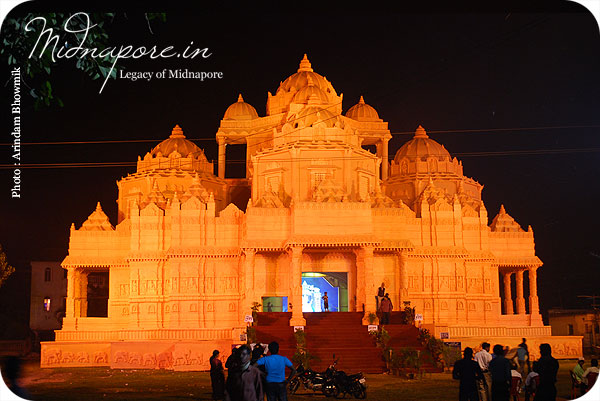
(140, 334)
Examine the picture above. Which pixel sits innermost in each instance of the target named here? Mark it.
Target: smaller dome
(421, 147)
(314, 114)
(362, 112)
(240, 110)
(178, 144)
(308, 92)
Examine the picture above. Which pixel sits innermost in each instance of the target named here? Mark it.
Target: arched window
(48, 274)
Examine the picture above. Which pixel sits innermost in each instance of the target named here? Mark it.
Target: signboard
(453, 344)
(296, 328)
(248, 319)
(418, 317)
(444, 335)
(372, 327)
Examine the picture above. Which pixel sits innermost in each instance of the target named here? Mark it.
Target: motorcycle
(355, 384)
(315, 381)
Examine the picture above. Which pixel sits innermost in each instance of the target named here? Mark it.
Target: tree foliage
(5, 269)
(36, 71)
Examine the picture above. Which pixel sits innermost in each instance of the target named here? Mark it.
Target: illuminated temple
(320, 209)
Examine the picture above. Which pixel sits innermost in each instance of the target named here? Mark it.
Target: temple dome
(363, 112)
(177, 146)
(303, 77)
(310, 92)
(314, 114)
(421, 147)
(240, 110)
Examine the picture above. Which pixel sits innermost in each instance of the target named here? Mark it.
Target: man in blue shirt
(275, 367)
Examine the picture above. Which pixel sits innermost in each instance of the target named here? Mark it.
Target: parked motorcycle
(355, 384)
(315, 381)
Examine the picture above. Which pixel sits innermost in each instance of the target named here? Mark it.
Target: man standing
(380, 294)
(468, 372)
(523, 356)
(275, 367)
(325, 302)
(386, 308)
(578, 373)
(244, 380)
(501, 377)
(548, 369)
(484, 386)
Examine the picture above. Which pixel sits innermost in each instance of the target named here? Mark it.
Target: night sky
(497, 72)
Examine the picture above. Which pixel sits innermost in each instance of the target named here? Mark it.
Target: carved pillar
(71, 277)
(222, 145)
(370, 290)
(508, 302)
(403, 272)
(384, 159)
(81, 300)
(296, 287)
(247, 288)
(520, 298)
(360, 282)
(534, 307)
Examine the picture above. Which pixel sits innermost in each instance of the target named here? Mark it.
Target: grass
(106, 384)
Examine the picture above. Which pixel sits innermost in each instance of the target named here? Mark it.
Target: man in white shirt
(483, 358)
(591, 369)
(530, 382)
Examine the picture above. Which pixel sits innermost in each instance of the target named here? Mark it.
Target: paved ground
(106, 384)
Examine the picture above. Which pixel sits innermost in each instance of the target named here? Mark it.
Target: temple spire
(177, 132)
(305, 64)
(240, 98)
(420, 132)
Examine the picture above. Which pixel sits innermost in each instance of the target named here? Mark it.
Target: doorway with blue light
(314, 286)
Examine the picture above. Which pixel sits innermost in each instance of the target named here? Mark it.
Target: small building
(577, 322)
(48, 298)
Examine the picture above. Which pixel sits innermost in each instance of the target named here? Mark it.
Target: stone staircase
(339, 333)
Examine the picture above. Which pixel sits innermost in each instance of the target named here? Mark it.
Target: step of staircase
(336, 333)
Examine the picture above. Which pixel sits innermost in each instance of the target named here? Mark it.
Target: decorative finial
(177, 132)
(420, 132)
(310, 81)
(502, 210)
(73, 226)
(155, 186)
(240, 98)
(98, 207)
(362, 100)
(305, 64)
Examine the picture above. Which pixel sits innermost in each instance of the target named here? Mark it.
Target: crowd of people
(251, 374)
(498, 376)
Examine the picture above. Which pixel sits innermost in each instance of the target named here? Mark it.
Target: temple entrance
(97, 294)
(314, 286)
(275, 304)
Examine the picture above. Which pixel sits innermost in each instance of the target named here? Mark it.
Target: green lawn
(105, 384)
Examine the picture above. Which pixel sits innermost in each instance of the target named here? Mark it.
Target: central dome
(304, 94)
(177, 146)
(421, 147)
(304, 77)
(313, 114)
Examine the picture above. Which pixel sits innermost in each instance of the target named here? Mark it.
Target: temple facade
(192, 251)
